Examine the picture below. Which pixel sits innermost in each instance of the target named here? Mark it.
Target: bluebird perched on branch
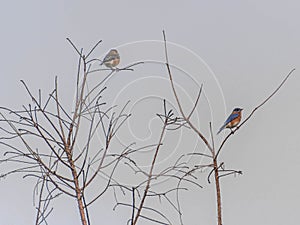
(233, 120)
(112, 59)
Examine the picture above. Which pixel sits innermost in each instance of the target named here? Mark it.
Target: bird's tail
(221, 128)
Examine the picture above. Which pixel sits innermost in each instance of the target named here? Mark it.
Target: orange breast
(234, 122)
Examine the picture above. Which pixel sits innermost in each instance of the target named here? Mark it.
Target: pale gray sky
(246, 47)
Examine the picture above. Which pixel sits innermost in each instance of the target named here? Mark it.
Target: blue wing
(229, 119)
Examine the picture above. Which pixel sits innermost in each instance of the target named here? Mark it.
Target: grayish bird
(112, 59)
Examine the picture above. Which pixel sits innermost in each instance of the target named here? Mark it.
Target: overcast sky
(239, 50)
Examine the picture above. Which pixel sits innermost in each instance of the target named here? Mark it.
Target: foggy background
(239, 50)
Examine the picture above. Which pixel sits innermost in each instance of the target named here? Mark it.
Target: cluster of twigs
(176, 174)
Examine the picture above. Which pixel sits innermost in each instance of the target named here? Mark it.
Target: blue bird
(233, 120)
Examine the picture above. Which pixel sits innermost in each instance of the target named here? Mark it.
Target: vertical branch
(58, 111)
(186, 118)
(69, 144)
(218, 190)
(133, 205)
(198, 132)
(217, 178)
(138, 214)
(39, 210)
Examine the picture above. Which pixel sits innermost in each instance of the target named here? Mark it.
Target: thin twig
(255, 109)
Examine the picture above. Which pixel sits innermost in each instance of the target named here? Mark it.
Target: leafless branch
(255, 109)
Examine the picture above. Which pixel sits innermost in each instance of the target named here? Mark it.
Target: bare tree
(43, 139)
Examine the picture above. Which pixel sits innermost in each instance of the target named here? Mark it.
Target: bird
(233, 120)
(112, 59)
